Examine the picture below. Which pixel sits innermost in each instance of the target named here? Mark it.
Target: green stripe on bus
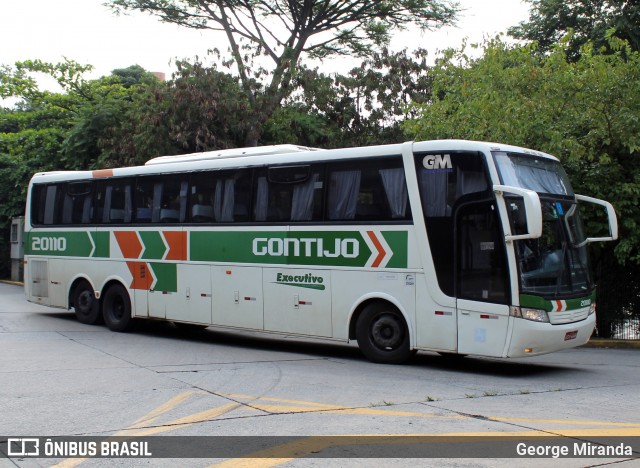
(309, 248)
(398, 243)
(537, 302)
(166, 275)
(154, 246)
(101, 241)
(319, 248)
(68, 244)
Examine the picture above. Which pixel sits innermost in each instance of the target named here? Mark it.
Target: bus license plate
(570, 335)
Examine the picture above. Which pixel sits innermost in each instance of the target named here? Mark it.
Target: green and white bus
(449, 246)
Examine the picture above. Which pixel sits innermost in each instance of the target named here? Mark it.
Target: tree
(281, 32)
(363, 106)
(588, 20)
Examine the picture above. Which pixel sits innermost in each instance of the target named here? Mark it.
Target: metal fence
(622, 329)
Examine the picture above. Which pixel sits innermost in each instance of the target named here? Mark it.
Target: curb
(14, 283)
(608, 343)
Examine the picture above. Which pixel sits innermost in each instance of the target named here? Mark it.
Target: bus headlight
(535, 315)
(592, 308)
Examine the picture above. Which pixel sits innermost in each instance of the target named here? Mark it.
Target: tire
(85, 304)
(382, 334)
(116, 309)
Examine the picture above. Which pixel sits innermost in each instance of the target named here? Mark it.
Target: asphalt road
(61, 378)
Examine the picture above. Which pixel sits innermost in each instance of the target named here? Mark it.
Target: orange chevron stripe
(177, 241)
(129, 243)
(381, 252)
(142, 277)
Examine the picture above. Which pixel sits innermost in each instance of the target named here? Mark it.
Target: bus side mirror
(611, 214)
(532, 209)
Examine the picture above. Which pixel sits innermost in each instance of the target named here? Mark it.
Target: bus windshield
(542, 175)
(555, 264)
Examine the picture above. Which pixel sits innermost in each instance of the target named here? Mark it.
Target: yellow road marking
(160, 410)
(185, 421)
(300, 448)
(136, 428)
(565, 421)
(303, 447)
(309, 406)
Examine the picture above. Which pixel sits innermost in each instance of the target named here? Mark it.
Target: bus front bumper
(530, 338)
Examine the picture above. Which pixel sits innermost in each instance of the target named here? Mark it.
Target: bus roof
(231, 153)
(277, 154)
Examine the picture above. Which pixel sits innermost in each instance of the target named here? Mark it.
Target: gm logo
(437, 161)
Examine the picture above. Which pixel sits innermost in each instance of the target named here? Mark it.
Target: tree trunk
(253, 133)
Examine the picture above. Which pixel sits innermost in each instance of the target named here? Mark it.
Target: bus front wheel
(116, 308)
(85, 304)
(382, 334)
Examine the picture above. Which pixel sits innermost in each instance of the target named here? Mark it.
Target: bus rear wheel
(382, 334)
(116, 309)
(85, 304)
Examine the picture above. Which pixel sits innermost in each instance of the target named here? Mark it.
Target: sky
(89, 33)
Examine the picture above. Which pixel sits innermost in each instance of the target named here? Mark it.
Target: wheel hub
(386, 332)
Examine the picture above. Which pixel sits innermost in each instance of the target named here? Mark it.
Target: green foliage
(361, 107)
(591, 21)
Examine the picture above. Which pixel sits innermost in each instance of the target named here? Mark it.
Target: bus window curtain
(128, 208)
(344, 187)
(302, 203)
(50, 204)
(67, 209)
(157, 199)
(184, 189)
(434, 192)
(106, 211)
(393, 181)
(87, 210)
(470, 182)
(262, 200)
(223, 201)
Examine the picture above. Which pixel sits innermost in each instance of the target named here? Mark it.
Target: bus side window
(46, 204)
(376, 192)
(173, 199)
(241, 199)
(288, 194)
(113, 202)
(38, 204)
(201, 196)
(77, 206)
(52, 207)
(143, 200)
(219, 196)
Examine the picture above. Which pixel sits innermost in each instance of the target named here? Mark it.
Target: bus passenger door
(481, 279)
